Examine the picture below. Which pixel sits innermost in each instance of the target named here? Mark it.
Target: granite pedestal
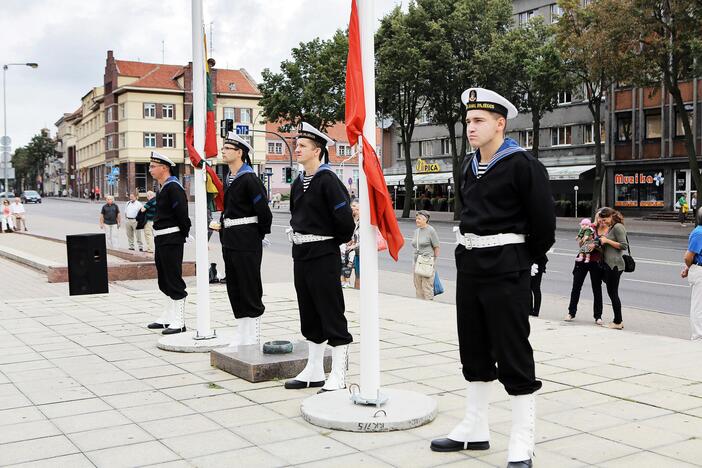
(249, 362)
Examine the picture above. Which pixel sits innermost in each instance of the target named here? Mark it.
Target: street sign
(350, 180)
(242, 129)
(5, 140)
(269, 171)
(115, 171)
(9, 173)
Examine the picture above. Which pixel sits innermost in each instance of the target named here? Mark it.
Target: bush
(435, 204)
(563, 207)
(584, 208)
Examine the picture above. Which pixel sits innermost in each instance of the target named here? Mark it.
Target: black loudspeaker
(87, 264)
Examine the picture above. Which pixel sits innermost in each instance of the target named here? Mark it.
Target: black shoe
(520, 464)
(298, 384)
(131, 248)
(172, 331)
(223, 280)
(448, 445)
(213, 273)
(533, 314)
(156, 325)
(324, 390)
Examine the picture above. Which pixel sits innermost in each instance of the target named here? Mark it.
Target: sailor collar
(322, 167)
(508, 148)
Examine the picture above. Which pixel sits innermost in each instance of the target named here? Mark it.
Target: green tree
(401, 80)
(29, 161)
(454, 34)
(599, 45)
(528, 70)
(310, 86)
(671, 32)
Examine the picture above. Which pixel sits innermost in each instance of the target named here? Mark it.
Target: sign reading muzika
(639, 190)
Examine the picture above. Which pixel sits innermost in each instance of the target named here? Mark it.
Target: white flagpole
(370, 347)
(199, 113)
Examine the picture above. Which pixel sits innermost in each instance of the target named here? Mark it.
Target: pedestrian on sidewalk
(131, 211)
(693, 272)
(92, 195)
(97, 193)
(693, 206)
(110, 222)
(321, 221)
(149, 210)
(613, 238)
(244, 223)
(507, 222)
(171, 228)
(581, 270)
(19, 214)
(682, 209)
(538, 268)
(6, 217)
(426, 251)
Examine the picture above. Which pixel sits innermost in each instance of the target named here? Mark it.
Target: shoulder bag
(629, 262)
(424, 265)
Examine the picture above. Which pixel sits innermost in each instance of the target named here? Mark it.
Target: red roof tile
(151, 75)
(242, 83)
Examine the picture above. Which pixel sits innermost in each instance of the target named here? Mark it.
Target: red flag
(382, 213)
(210, 140)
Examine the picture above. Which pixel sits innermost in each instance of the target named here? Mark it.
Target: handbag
(629, 262)
(424, 266)
(438, 287)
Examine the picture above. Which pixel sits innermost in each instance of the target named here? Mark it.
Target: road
(655, 285)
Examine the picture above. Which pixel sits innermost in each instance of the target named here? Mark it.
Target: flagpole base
(190, 342)
(402, 410)
(212, 335)
(357, 399)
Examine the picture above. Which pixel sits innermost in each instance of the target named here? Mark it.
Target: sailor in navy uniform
(321, 221)
(171, 228)
(244, 222)
(507, 222)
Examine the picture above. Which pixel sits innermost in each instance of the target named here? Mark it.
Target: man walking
(321, 221)
(19, 213)
(149, 210)
(171, 228)
(245, 221)
(110, 221)
(131, 211)
(693, 272)
(507, 222)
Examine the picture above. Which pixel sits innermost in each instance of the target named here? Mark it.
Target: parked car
(9, 195)
(30, 196)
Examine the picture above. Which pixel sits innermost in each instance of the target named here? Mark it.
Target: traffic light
(288, 175)
(225, 126)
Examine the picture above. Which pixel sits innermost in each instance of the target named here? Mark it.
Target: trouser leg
(612, 278)
(169, 265)
(596, 283)
(244, 286)
(579, 273)
(694, 277)
(149, 236)
(131, 225)
(535, 284)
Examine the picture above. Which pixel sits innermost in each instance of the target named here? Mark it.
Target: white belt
(298, 239)
(229, 222)
(170, 230)
(474, 241)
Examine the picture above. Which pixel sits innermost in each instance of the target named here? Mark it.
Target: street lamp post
(448, 200)
(576, 200)
(4, 108)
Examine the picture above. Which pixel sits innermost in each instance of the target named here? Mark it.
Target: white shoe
(522, 437)
(340, 363)
(313, 373)
(238, 334)
(475, 426)
(178, 323)
(251, 332)
(166, 316)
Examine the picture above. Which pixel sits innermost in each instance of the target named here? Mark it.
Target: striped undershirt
(481, 170)
(306, 181)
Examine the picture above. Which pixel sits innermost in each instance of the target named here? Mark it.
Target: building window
(424, 116)
(108, 114)
(679, 129)
(275, 147)
(122, 111)
(149, 140)
(565, 97)
(589, 135)
(245, 116)
(109, 142)
(561, 136)
(149, 110)
(355, 177)
(248, 139)
(140, 171)
(639, 189)
(653, 126)
(624, 127)
(229, 113)
(526, 137)
(343, 150)
(340, 174)
(168, 111)
(169, 140)
(122, 140)
(445, 146)
(525, 16)
(556, 12)
(426, 148)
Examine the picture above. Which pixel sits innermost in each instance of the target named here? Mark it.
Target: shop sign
(639, 178)
(423, 166)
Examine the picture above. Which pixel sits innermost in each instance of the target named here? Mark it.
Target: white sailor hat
(236, 140)
(161, 159)
(305, 130)
(484, 99)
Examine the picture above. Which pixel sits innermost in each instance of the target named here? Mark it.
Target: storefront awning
(567, 172)
(421, 179)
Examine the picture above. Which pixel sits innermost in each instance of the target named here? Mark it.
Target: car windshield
(31, 193)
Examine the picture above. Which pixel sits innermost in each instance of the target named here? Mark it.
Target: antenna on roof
(163, 51)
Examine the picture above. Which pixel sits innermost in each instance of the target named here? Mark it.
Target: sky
(69, 40)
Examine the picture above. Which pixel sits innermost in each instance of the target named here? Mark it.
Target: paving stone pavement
(83, 384)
